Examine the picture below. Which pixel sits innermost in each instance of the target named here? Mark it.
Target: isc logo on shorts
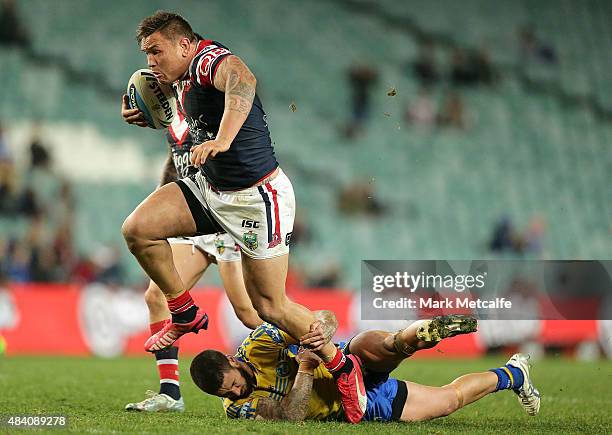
(248, 223)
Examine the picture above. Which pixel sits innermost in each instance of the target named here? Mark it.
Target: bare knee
(248, 317)
(155, 298)
(270, 310)
(131, 233)
(451, 400)
(134, 230)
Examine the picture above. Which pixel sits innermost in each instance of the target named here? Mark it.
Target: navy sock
(508, 377)
(167, 364)
(185, 316)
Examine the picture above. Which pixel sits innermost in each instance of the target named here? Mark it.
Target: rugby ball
(154, 99)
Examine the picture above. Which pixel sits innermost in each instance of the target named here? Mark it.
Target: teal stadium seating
(525, 154)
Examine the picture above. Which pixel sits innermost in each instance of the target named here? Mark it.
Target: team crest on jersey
(282, 369)
(250, 240)
(220, 246)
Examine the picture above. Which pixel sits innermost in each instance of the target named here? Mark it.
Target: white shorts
(259, 219)
(220, 246)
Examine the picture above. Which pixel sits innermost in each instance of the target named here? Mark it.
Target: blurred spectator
(63, 246)
(453, 112)
(39, 155)
(361, 79)
(12, 31)
(532, 48)
(422, 110)
(505, 238)
(108, 265)
(84, 271)
(28, 203)
(463, 70)
(5, 152)
(18, 268)
(359, 198)
(7, 177)
(424, 67)
(534, 243)
(46, 253)
(502, 238)
(4, 257)
(483, 67)
(469, 68)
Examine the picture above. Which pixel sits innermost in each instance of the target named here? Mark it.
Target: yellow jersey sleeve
(243, 408)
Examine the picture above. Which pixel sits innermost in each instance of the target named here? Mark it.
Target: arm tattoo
(329, 323)
(238, 83)
(169, 175)
(244, 90)
(269, 409)
(294, 407)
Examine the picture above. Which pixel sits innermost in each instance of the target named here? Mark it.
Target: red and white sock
(183, 308)
(167, 366)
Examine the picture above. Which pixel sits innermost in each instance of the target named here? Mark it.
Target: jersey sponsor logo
(248, 223)
(250, 240)
(182, 162)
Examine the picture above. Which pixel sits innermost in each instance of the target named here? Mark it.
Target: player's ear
(185, 44)
(232, 360)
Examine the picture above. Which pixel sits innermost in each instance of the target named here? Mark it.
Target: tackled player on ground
(272, 378)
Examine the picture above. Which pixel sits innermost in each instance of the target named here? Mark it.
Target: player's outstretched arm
(238, 82)
(294, 407)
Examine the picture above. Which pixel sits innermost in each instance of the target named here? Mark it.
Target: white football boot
(528, 395)
(157, 403)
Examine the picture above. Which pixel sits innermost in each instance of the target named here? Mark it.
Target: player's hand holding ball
(211, 148)
(147, 102)
(132, 116)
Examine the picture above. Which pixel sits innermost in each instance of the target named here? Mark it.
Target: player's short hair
(169, 24)
(207, 370)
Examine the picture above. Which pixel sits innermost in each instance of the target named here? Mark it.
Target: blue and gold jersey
(271, 353)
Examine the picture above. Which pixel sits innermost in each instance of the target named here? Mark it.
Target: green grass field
(577, 398)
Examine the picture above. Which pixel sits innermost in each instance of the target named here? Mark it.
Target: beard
(249, 385)
(250, 382)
